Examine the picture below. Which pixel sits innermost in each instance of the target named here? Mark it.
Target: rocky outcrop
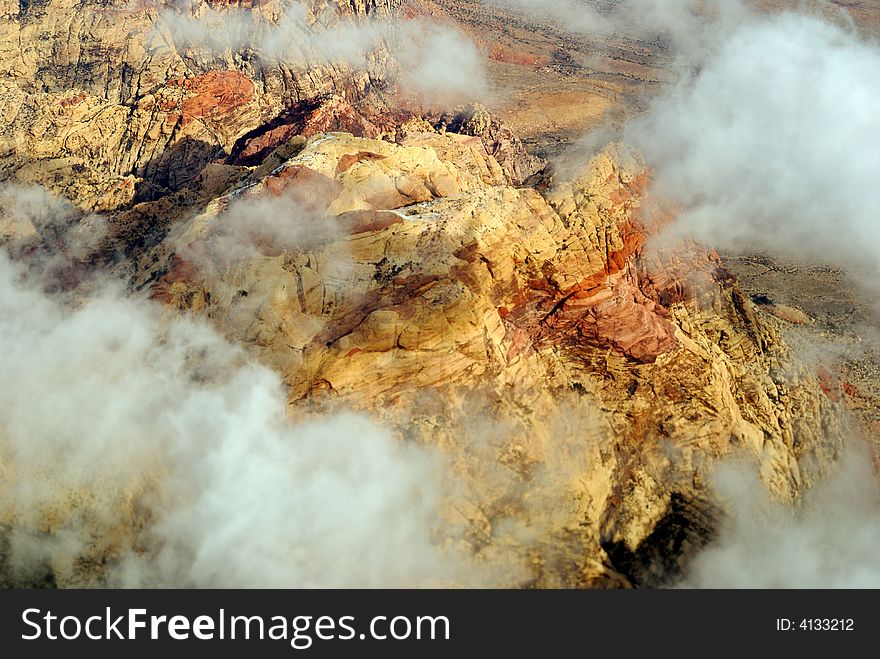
(212, 94)
(583, 384)
(500, 142)
(306, 118)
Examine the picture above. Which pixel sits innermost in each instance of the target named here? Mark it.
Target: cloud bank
(767, 145)
(687, 27)
(770, 146)
(828, 540)
(147, 449)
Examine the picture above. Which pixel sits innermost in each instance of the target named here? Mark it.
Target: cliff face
(115, 101)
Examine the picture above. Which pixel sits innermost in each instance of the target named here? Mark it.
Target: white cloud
(771, 146)
(153, 443)
(828, 540)
(433, 61)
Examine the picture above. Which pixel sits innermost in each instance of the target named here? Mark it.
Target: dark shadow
(662, 558)
(288, 123)
(174, 167)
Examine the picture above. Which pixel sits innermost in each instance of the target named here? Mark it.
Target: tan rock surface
(530, 336)
(96, 93)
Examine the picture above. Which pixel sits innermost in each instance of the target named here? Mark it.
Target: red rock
(73, 100)
(214, 93)
(312, 190)
(336, 114)
(354, 222)
(351, 159)
(829, 384)
(850, 390)
(607, 309)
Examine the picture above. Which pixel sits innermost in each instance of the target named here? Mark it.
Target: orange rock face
(213, 94)
(608, 309)
(622, 305)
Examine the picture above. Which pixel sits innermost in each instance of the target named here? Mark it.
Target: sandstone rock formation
(501, 143)
(532, 336)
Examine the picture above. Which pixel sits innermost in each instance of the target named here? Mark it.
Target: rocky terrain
(468, 303)
(556, 82)
(830, 314)
(552, 84)
(111, 94)
(424, 267)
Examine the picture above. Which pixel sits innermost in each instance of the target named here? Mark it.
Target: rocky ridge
(512, 326)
